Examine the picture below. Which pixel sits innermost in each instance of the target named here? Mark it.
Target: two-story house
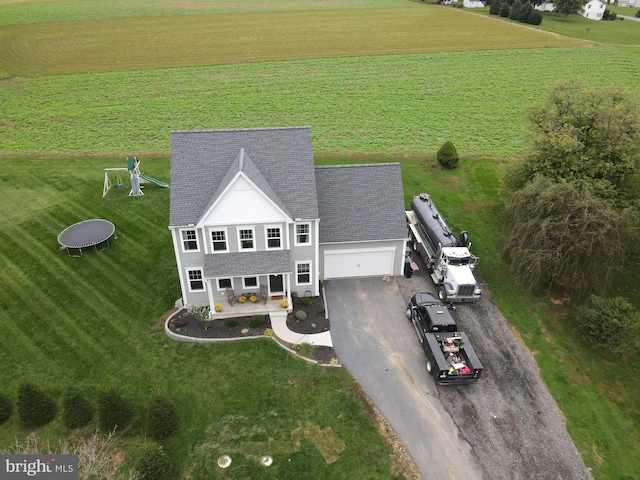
(251, 214)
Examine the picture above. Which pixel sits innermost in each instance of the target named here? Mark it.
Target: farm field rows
(37, 11)
(161, 42)
(392, 104)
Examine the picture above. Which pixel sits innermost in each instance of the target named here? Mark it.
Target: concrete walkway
(279, 326)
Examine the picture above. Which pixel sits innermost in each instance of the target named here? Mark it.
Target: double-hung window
(246, 239)
(224, 283)
(303, 234)
(274, 238)
(219, 241)
(196, 281)
(189, 240)
(303, 273)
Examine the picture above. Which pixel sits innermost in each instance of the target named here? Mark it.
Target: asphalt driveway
(507, 426)
(377, 344)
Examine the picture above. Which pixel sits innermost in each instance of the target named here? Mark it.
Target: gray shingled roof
(247, 263)
(361, 202)
(280, 162)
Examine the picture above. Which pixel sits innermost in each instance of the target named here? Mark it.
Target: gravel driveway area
(509, 418)
(507, 426)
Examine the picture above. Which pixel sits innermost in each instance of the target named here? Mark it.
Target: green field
(93, 81)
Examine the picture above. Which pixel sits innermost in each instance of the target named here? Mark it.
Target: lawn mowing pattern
(93, 322)
(184, 41)
(403, 104)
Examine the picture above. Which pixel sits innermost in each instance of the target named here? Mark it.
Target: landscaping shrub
(304, 349)
(494, 8)
(505, 10)
(307, 301)
(153, 463)
(35, 407)
(162, 418)
(200, 312)
(231, 322)
(515, 10)
(535, 18)
(301, 315)
(525, 12)
(6, 407)
(114, 411)
(256, 321)
(448, 155)
(608, 15)
(77, 410)
(610, 323)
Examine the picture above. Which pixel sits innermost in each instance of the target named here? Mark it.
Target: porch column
(212, 302)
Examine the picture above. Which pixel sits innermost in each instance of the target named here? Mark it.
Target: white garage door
(364, 262)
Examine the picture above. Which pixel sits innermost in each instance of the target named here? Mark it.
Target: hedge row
(37, 408)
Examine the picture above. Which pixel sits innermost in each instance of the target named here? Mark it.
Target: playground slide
(153, 180)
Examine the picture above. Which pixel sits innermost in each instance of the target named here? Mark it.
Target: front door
(276, 285)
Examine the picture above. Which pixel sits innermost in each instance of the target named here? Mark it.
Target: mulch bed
(315, 321)
(188, 325)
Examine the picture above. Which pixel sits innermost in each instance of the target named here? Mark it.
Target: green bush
(505, 10)
(494, 8)
(77, 410)
(307, 301)
(535, 18)
(162, 418)
(301, 315)
(231, 322)
(256, 321)
(114, 411)
(448, 155)
(35, 407)
(610, 323)
(515, 10)
(305, 349)
(525, 12)
(6, 407)
(153, 463)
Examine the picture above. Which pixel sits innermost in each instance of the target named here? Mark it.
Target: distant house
(473, 4)
(250, 214)
(629, 3)
(593, 10)
(545, 7)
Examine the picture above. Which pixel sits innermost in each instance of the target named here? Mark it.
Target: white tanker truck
(447, 257)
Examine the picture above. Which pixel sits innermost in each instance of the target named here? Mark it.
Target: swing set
(113, 176)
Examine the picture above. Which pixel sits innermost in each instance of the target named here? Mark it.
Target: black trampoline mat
(87, 233)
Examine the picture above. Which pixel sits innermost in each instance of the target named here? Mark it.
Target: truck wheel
(409, 313)
(442, 294)
(429, 367)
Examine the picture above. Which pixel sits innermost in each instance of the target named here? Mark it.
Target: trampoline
(86, 234)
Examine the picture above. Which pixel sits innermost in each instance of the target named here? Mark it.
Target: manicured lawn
(94, 322)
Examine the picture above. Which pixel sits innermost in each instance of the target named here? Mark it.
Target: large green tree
(561, 237)
(587, 136)
(568, 7)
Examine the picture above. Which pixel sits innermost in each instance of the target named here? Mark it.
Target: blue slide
(153, 180)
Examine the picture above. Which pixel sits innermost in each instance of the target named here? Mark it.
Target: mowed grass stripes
(180, 41)
(94, 322)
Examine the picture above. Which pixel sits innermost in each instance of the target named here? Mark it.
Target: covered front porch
(234, 278)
